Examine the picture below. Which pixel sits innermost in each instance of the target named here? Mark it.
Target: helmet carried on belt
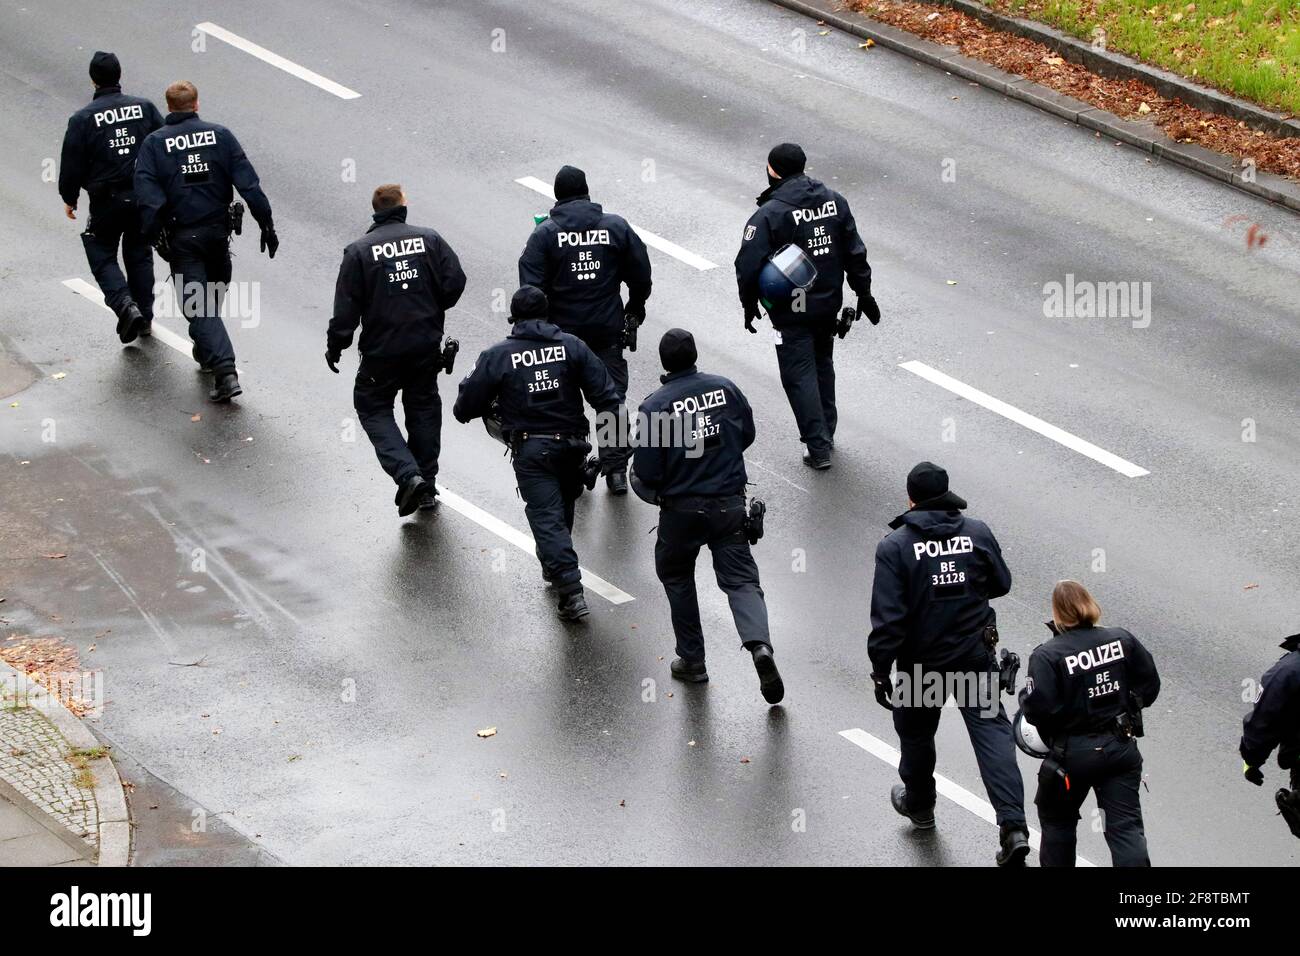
(492, 422)
(639, 489)
(1027, 737)
(788, 270)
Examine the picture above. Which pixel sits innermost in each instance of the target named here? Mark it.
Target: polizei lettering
(120, 114)
(1087, 660)
(825, 211)
(700, 403)
(204, 137)
(592, 237)
(399, 248)
(961, 544)
(542, 356)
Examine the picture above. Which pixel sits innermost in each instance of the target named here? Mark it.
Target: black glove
(332, 360)
(751, 313)
(270, 241)
(1253, 774)
(867, 306)
(884, 690)
(162, 244)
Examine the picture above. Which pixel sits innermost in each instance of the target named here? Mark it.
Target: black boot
(225, 388)
(409, 494)
(922, 819)
(616, 481)
(573, 607)
(817, 462)
(130, 322)
(428, 498)
(769, 678)
(692, 672)
(1015, 844)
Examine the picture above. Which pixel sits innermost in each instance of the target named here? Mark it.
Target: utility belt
(576, 444)
(109, 190)
(688, 503)
(755, 512)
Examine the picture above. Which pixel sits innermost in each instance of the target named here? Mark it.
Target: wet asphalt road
(343, 659)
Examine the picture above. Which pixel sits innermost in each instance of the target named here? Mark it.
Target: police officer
(99, 152)
(183, 183)
(935, 575)
(690, 460)
(536, 379)
(580, 256)
(1085, 693)
(1275, 722)
(795, 209)
(397, 282)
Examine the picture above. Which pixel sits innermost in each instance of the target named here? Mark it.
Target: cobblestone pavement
(34, 760)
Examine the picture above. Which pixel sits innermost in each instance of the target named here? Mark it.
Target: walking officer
(690, 460)
(397, 282)
(183, 184)
(534, 382)
(1085, 694)
(935, 575)
(1275, 723)
(802, 288)
(581, 256)
(99, 152)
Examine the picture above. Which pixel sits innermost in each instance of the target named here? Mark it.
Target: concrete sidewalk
(62, 800)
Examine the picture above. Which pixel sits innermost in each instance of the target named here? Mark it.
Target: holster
(1288, 805)
(754, 520)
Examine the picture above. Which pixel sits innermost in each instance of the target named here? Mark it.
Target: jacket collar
(784, 189)
(385, 216)
(673, 376)
(534, 329)
(181, 117)
(107, 91)
(947, 503)
(1292, 643)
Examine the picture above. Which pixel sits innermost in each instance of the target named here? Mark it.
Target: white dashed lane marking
(952, 791)
(648, 237)
(266, 56)
(1034, 424)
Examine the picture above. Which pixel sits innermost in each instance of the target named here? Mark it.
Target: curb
(1144, 136)
(110, 798)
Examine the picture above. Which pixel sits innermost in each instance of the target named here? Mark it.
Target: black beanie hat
(104, 69)
(570, 183)
(677, 350)
(528, 303)
(927, 483)
(787, 159)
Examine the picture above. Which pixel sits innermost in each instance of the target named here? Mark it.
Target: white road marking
(953, 791)
(1058, 435)
(160, 332)
(265, 55)
(648, 237)
(524, 542)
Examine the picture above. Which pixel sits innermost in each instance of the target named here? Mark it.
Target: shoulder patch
(750, 232)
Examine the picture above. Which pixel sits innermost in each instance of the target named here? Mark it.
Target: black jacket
(538, 376)
(692, 435)
(102, 142)
(802, 211)
(1085, 677)
(1275, 721)
(397, 282)
(579, 257)
(186, 175)
(935, 576)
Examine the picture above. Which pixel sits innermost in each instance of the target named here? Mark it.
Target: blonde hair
(182, 96)
(1072, 605)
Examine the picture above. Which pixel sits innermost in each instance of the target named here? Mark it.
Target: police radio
(235, 217)
(449, 350)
